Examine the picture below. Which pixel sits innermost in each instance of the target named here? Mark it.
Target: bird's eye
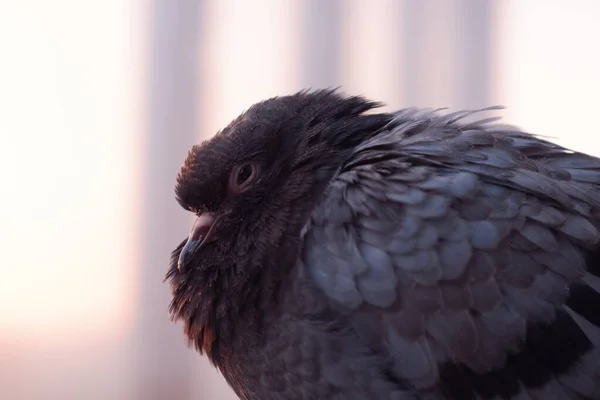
(244, 174)
(242, 177)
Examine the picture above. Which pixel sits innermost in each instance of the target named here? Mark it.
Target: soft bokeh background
(100, 100)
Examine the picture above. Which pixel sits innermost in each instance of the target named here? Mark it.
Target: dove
(342, 252)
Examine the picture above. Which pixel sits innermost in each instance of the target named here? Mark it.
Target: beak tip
(202, 232)
(183, 255)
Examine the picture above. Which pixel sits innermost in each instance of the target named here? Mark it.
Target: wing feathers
(469, 245)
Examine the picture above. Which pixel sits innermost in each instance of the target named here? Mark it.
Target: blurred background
(99, 102)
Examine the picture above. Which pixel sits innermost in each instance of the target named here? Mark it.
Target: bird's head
(252, 188)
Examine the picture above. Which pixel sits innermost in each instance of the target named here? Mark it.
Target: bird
(344, 252)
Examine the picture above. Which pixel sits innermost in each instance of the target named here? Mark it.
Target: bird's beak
(202, 232)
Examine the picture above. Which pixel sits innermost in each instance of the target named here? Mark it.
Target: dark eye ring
(242, 176)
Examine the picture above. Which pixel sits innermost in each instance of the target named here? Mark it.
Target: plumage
(348, 254)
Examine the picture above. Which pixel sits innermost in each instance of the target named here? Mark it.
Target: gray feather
(466, 238)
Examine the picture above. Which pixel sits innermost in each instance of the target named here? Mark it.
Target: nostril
(200, 231)
(203, 228)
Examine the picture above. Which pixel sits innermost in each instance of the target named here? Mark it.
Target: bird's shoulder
(459, 247)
